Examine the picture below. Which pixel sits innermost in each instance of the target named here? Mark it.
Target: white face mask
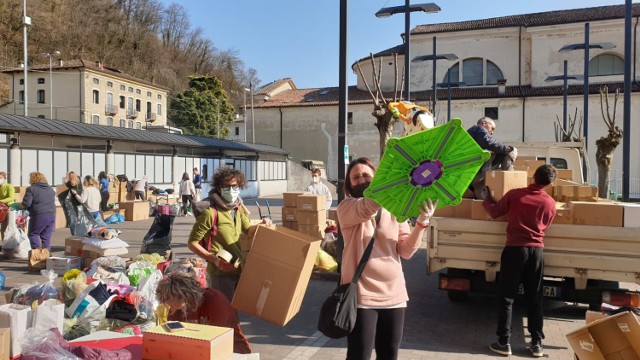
(230, 196)
(315, 179)
(2, 181)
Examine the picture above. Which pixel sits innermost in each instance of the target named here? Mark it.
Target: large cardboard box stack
(195, 342)
(597, 213)
(276, 274)
(20, 191)
(311, 214)
(500, 182)
(289, 209)
(613, 337)
(527, 163)
(135, 210)
(575, 192)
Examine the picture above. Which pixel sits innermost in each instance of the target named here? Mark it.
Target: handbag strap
(367, 252)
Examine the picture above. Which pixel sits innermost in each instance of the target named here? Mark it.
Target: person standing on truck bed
(501, 155)
(530, 212)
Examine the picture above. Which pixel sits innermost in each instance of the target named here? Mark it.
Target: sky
(299, 39)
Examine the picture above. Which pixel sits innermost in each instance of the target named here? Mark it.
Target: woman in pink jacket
(382, 294)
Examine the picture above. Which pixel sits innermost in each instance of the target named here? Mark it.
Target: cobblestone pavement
(435, 328)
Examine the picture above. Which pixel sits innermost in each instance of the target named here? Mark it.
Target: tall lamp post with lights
(244, 109)
(407, 9)
(435, 57)
(50, 55)
(565, 90)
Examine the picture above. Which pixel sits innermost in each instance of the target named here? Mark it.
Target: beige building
(87, 92)
(504, 62)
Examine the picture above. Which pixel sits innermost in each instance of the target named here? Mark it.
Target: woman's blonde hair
(37, 177)
(89, 181)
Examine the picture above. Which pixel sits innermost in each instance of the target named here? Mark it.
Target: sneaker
(501, 349)
(536, 350)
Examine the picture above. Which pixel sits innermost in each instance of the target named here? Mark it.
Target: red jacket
(530, 212)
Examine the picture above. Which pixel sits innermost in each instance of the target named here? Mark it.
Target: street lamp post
(434, 57)
(586, 45)
(26, 22)
(50, 55)
(253, 119)
(406, 9)
(565, 90)
(449, 85)
(244, 115)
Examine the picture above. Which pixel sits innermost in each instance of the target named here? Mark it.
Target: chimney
(99, 65)
(60, 62)
(502, 86)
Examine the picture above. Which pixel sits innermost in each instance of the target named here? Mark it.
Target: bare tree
(384, 119)
(606, 145)
(570, 134)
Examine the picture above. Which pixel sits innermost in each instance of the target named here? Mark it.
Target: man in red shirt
(529, 211)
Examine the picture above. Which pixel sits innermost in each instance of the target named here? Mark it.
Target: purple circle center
(426, 173)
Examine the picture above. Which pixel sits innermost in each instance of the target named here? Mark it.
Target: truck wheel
(455, 295)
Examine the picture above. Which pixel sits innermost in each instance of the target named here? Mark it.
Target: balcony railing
(150, 117)
(132, 114)
(110, 109)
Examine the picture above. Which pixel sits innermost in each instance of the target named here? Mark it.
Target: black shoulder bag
(338, 312)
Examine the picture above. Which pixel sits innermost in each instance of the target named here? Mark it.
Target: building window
(122, 88)
(491, 112)
(40, 116)
(96, 97)
(159, 97)
(21, 81)
(123, 123)
(96, 81)
(130, 124)
(159, 109)
(475, 72)
(606, 64)
(95, 119)
(109, 84)
(110, 121)
(130, 89)
(138, 125)
(138, 105)
(40, 96)
(148, 93)
(121, 102)
(40, 80)
(237, 130)
(109, 99)
(21, 97)
(130, 103)
(350, 117)
(138, 91)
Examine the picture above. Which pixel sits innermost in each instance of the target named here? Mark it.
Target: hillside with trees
(143, 38)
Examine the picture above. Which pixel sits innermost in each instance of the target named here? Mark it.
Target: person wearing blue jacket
(40, 201)
(501, 155)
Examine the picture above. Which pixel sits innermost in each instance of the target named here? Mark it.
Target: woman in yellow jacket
(7, 196)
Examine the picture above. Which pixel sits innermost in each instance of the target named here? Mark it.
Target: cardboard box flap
(193, 331)
(287, 242)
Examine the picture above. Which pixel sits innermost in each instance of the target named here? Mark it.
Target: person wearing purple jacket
(39, 200)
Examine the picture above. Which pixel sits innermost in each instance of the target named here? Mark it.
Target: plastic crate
(438, 163)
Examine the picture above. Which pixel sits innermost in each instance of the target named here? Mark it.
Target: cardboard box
(135, 210)
(317, 231)
(305, 217)
(62, 264)
(312, 202)
(290, 198)
(463, 210)
(195, 342)
(276, 274)
(73, 246)
(615, 337)
(597, 213)
(20, 191)
(564, 214)
(631, 215)
(566, 174)
(18, 318)
(5, 343)
(446, 211)
(288, 213)
(479, 213)
(293, 225)
(500, 182)
(332, 214)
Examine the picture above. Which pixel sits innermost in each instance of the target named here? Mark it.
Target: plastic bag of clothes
(38, 343)
(74, 282)
(16, 243)
(39, 292)
(115, 218)
(158, 238)
(92, 304)
(79, 219)
(326, 262)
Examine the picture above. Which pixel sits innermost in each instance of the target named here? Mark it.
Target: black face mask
(358, 190)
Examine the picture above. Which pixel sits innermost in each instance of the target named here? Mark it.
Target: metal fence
(615, 185)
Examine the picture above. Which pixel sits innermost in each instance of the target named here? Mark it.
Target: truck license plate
(547, 291)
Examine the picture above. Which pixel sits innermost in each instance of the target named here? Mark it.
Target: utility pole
(26, 21)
